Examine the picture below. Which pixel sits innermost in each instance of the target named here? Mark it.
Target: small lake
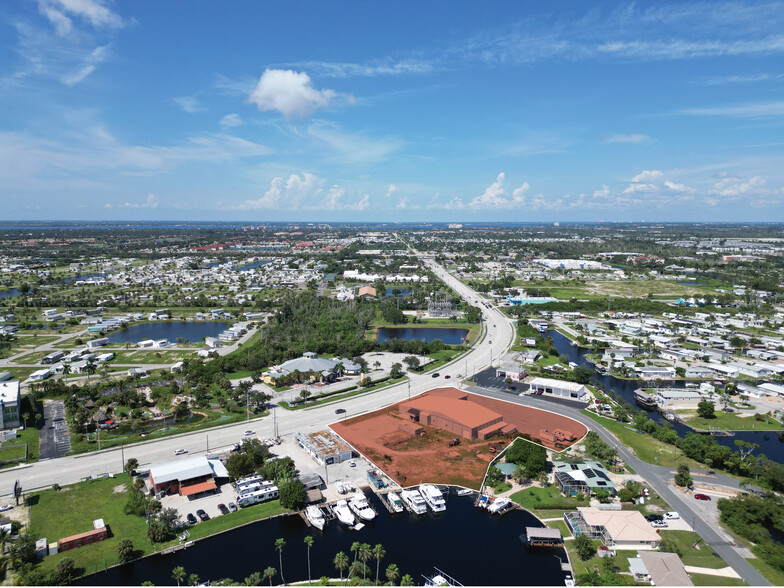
(448, 336)
(471, 545)
(86, 277)
(250, 266)
(193, 331)
(690, 283)
(12, 293)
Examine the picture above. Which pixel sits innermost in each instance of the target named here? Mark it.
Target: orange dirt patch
(414, 459)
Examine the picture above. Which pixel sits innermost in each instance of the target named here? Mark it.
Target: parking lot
(209, 503)
(488, 379)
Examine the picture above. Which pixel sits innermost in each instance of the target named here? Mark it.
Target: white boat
(315, 516)
(359, 504)
(343, 512)
(394, 501)
(499, 505)
(433, 497)
(414, 501)
(465, 492)
(339, 487)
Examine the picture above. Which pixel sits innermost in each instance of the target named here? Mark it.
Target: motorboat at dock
(433, 497)
(343, 512)
(414, 501)
(315, 517)
(395, 502)
(359, 504)
(499, 505)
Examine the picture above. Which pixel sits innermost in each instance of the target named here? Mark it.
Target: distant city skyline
(410, 112)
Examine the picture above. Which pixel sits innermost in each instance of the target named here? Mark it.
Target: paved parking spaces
(209, 502)
(53, 437)
(488, 379)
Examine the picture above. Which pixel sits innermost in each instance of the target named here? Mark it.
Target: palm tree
(25, 418)
(90, 369)
(378, 554)
(355, 549)
(341, 563)
(269, 573)
(279, 545)
(66, 371)
(365, 554)
(178, 574)
(254, 579)
(407, 580)
(309, 542)
(393, 573)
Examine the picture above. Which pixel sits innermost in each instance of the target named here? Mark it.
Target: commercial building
(10, 400)
(617, 529)
(511, 368)
(558, 388)
(189, 476)
(325, 447)
(449, 409)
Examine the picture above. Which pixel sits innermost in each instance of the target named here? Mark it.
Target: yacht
(433, 497)
(316, 517)
(465, 492)
(498, 505)
(395, 502)
(414, 501)
(359, 504)
(343, 512)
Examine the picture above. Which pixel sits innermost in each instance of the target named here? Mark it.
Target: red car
(702, 497)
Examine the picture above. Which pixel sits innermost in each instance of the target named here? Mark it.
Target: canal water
(11, 293)
(448, 336)
(468, 543)
(252, 265)
(770, 443)
(193, 331)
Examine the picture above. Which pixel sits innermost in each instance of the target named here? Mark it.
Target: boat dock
(546, 537)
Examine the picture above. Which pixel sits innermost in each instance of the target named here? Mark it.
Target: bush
(584, 547)
(292, 494)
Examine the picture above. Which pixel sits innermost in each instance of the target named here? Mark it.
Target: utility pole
(409, 389)
(122, 455)
(208, 443)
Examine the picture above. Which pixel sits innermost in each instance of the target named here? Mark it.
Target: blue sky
(473, 111)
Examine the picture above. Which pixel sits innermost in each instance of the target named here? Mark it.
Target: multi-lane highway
(497, 336)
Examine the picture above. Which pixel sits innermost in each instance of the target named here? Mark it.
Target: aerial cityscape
(442, 294)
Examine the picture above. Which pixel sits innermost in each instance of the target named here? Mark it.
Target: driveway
(53, 436)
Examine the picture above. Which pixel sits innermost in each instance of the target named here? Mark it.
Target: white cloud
(386, 67)
(150, 202)
(353, 147)
(392, 190)
(305, 192)
(603, 193)
(93, 11)
(189, 104)
(494, 196)
(624, 138)
(647, 175)
(740, 79)
(753, 110)
(292, 94)
(731, 186)
(230, 120)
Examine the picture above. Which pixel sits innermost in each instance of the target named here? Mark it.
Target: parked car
(446, 377)
(232, 507)
(702, 497)
(202, 515)
(352, 464)
(192, 520)
(654, 517)
(222, 507)
(6, 507)
(340, 410)
(671, 515)
(435, 375)
(659, 524)
(180, 451)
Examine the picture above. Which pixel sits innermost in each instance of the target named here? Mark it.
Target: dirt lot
(411, 460)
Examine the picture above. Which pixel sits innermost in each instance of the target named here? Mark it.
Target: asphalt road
(498, 336)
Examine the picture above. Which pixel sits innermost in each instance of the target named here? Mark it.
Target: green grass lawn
(13, 450)
(580, 567)
(440, 358)
(240, 374)
(30, 437)
(561, 526)
(73, 509)
(700, 556)
(243, 516)
(773, 575)
(540, 500)
(731, 422)
(644, 446)
(706, 580)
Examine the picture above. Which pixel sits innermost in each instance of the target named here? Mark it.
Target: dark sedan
(192, 520)
(202, 515)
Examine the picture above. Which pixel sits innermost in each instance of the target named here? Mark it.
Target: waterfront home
(582, 477)
(698, 372)
(677, 399)
(662, 569)
(617, 529)
(724, 370)
(652, 373)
